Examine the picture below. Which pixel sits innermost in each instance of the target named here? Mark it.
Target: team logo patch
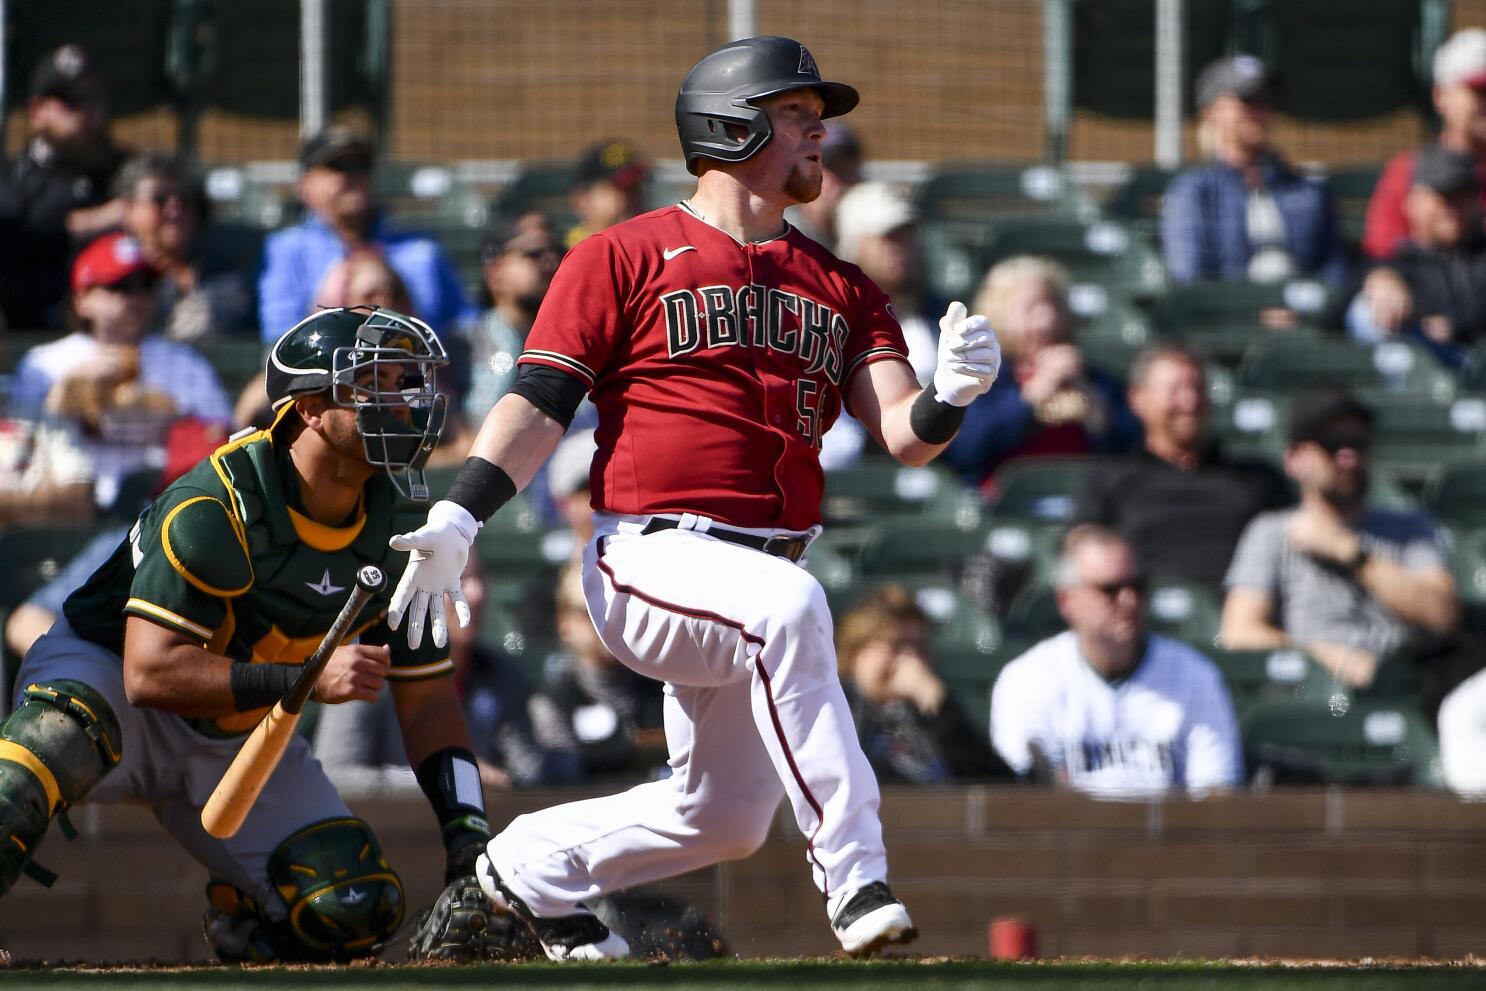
(324, 585)
(807, 63)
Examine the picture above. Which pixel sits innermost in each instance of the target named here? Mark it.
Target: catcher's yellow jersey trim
(420, 672)
(166, 616)
(327, 538)
(201, 516)
(17, 754)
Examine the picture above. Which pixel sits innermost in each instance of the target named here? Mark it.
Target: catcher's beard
(802, 186)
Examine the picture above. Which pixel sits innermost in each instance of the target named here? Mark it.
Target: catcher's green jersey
(225, 556)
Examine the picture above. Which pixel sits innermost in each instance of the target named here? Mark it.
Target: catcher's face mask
(388, 377)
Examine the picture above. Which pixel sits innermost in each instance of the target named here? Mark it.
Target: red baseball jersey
(716, 365)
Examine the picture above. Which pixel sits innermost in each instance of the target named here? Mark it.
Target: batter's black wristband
(257, 685)
(934, 422)
(451, 780)
(481, 488)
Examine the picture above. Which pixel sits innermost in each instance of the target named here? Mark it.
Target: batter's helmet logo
(807, 63)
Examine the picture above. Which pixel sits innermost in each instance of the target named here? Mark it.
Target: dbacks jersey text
(715, 365)
(1168, 725)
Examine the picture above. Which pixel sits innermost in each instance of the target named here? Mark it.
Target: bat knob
(370, 578)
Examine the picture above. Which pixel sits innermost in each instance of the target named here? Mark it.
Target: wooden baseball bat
(250, 770)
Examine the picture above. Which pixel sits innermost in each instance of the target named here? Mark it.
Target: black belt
(790, 548)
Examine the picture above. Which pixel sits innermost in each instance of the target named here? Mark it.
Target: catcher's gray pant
(754, 712)
(171, 768)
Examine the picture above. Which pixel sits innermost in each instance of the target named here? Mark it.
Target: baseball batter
(176, 646)
(718, 344)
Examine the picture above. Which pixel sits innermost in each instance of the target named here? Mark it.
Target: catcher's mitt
(462, 926)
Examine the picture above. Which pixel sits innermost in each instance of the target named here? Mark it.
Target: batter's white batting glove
(969, 357)
(440, 548)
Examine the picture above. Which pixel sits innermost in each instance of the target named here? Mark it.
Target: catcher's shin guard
(54, 748)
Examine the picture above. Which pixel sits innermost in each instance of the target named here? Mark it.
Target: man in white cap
(1460, 98)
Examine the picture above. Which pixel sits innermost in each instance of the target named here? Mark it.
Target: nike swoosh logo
(670, 253)
(324, 587)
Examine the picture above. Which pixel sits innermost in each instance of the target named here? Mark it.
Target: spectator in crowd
(165, 210)
(335, 188)
(518, 261)
(1433, 288)
(877, 230)
(115, 384)
(611, 184)
(1046, 400)
(1460, 98)
(1347, 583)
(1462, 728)
(1178, 500)
(56, 193)
(1104, 707)
(45, 475)
(495, 692)
(567, 485)
(841, 161)
(1246, 215)
(591, 706)
(911, 730)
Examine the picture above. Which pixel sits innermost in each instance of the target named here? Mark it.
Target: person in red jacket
(1460, 98)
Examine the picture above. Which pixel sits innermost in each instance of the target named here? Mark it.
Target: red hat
(108, 261)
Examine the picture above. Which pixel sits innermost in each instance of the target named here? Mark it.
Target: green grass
(745, 975)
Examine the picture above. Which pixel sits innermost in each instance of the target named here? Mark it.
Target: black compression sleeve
(934, 422)
(481, 487)
(555, 393)
(257, 685)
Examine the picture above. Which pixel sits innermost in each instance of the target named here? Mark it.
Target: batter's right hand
(355, 672)
(440, 548)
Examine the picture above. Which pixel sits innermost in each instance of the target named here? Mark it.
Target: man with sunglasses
(57, 193)
(1246, 214)
(1106, 708)
(114, 383)
(342, 216)
(1346, 582)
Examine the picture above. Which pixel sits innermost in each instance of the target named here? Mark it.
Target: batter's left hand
(969, 357)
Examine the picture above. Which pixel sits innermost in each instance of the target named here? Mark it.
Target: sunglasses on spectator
(132, 284)
(1334, 441)
(1111, 590)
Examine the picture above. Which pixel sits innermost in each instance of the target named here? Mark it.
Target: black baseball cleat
(871, 919)
(580, 936)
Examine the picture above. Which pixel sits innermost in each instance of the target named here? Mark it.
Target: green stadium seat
(872, 490)
(1222, 320)
(982, 192)
(1351, 189)
(959, 624)
(1287, 366)
(1113, 331)
(1414, 436)
(1361, 743)
(1456, 494)
(1137, 200)
(1184, 611)
(916, 549)
(835, 570)
(1468, 563)
(1039, 489)
(1254, 676)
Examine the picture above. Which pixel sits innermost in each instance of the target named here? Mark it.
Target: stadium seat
(872, 490)
(988, 192)
(1360, 743)
(1351, 189)
(1254, 676)
(1042, 490)
(33, 555)
(1468, 563)
(1456, 494)
(1180, 610)
(1286, 366)
(235, 360)
(1414, 436)
(1137, 200)
(929, 548)
(1221, 320)
(1113, 331)
(959, 624)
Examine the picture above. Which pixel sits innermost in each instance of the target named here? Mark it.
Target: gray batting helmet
(721, 88)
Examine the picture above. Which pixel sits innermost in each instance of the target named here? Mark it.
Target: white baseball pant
(753, 710)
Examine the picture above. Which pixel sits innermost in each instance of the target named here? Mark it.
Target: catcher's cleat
(871, 918)
(569, 937)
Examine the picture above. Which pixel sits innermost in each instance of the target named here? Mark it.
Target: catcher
(178, 644)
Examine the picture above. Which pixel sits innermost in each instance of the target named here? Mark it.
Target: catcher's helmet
(721, 88)
(343, 351)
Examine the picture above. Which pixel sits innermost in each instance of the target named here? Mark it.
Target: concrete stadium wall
(1295, 874)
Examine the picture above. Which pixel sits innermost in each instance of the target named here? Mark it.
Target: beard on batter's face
(801, 185)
